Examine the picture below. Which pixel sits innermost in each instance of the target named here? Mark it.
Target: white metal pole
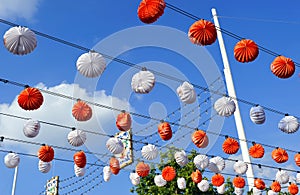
(15, 181)
(231, 93)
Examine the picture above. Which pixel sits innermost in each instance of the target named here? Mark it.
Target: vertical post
(231, 93)
(15, 181)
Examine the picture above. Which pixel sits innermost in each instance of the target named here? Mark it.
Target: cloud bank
(14, 9)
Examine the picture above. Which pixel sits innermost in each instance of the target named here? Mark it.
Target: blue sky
(52, 66)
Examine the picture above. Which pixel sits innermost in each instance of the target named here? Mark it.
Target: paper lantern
(165, 131)
(225, 106)
(293, 189)
(150, 10)
(106, 173)
(76, 137)
(200, 139)
(298, 177)
(289, 124)
(142, 169)
(238, 191)
(181, 183)
(297, 159)
(259, 184)
(19, 40)
(282, 177)
(203, 186)
(31, 128)
(143, 82)
(275, 186)
(201, 161)
(202, 32)
(256, 191)
(240, 167)
(279, 155)
(246, 50)
(216, 164)
(181, 158)
(257, 115)
(159, 181)
(149, 152)
(238, 182)
(283, 67)
(187, 93)
(81, 111)
(230, 146)
(256, 151)
(80, 159)
(271, 192)
(168, 173)
(123, 121)
(196, 176)
(135, 179)
(217, 180)
(221, 189)
(79, 172)
(114, 165)
(44, 167)
(30, 99)
(91, 64)
(46, 153)
(115, 145)
(11, 160)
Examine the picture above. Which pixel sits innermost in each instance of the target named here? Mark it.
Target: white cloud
(13, 9)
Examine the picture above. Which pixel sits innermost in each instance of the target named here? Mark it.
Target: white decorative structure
(221, 189)
(134, 178)
(77, 138)
(201, 161)
(106, 173)
(143, 81)
(115, 145)
(282, 177)
(181, 158)
(225, 106)
(257, 115)
(289, 124)
(256, 191)
(31, 128)
(203, 185)
(91, 64)
(11, 160)
(187, 93)
(79, 172)
(44, 167)
(159, 181)
(181, 183)
(271, 192)
(238, 191)
(149, 152)
(216, 164)
(240, 167)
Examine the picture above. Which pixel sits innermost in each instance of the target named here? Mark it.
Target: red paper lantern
(150, 10)
(80, 159)
(46, 153)
(165, 131)
(275, 186)
(142, 169)
(259, 184)
(81, 111)
(196, 176)
(293, 189)
(123, 121)
(230, 146)
(114, 165)
(283, 67)
(30, 99)
(239, 182)
(203, 32)
(200, 139)
(217, 180)
(168, 173)
(280, 155)
(297, 159)
(246, 51)
(256, 151)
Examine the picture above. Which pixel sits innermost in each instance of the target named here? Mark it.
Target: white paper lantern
(240, 167)
(149, 152)
(91, 64)
(11, 160)
(44, 167)
(159, 181)
(216, 164)
(201, 161)
(238, 191)
(31, 128)
(225, 106)
(298, 178)
(181, 158)
(289, 124)
(186, 93)
(106, 173)
(181, 183)
(282, 177)
(79, 172)
(203, 185)
(115, 145)
(256, 191)
(20, 40)
(77, 137)
(221, 189)
(257, 115)
(271, 192)
(143, 81)
(134, 178)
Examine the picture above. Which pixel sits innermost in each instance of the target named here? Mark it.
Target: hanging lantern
(31, 128)
(76, 137)
(165, 131)
(217, 180)
(279, 155)
(79, 172)
(115, 145)
(271, 192)
(150, 10)
(283, 67)
(123, 121)
(30, 99)
(256, 151)
(143, 81)
(238, 182)
(230, 146)
(282, 177)
(196, 176)
(142, 169)
(187, 93)
(80, 159)
(159, 181)
(297, 159)
(289, 124)
(221, 189)
(293, 189)
(149, 152)
(246, 50)
(202, 32)
(168, 173)
(201, 161)
(81, 111)
(181, 183)
(114, 165)
(275, 186)
(181, 158)
(203, 185)
(91, 64)
(11, 160)
(216, 164)
(20, 40)
(259, 184)
(106, 173)
(257, 191)
(46, 153)
(44, 167)
(200, 139)
(134, 178)
(225, 106)
(240, 167)
(257, 115)
(238, 191)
